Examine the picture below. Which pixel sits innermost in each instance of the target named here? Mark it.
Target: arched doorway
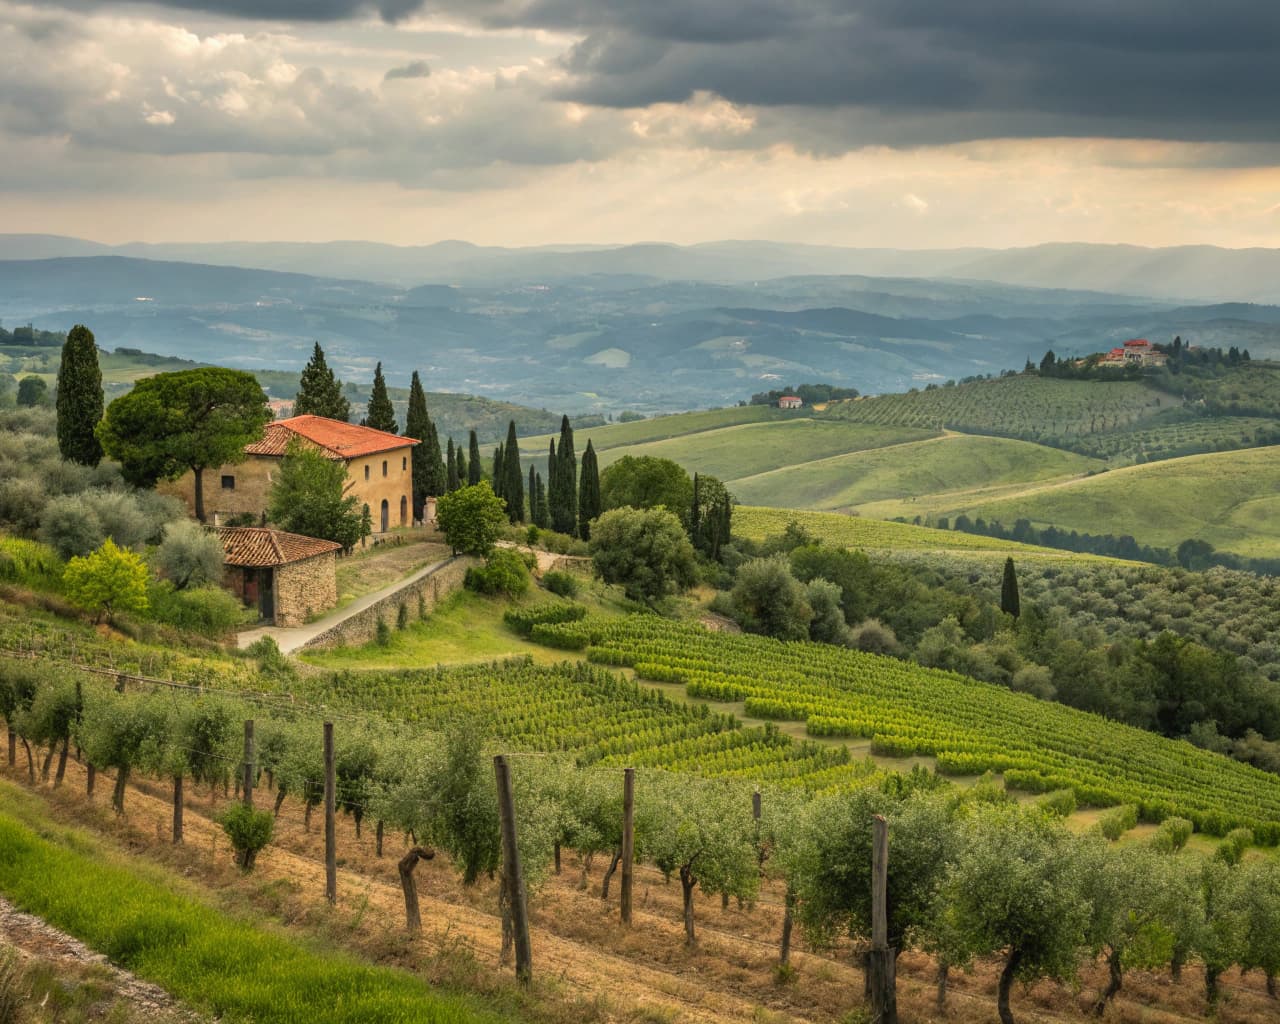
(386, 515)
(404, 511)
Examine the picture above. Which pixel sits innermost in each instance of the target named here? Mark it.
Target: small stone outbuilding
(286, 576)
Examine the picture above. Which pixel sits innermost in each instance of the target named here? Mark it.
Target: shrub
(1061, 803)
(249, 831)
(471, 518)
(768, 599)
(531, 535)
(402, 617)
(189, 555)
(71, 526)
(645, 551)
(1117, 821)
(382, 633)
(209, 611)
(561, 583)
(108, 581)
(874, 637)
(1233, 846)
(29, 563)
(504, 572)
(1172, 835)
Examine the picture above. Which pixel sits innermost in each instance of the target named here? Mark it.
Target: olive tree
(121, 731)
(767, 599)
(1016, 886)
(645, 551)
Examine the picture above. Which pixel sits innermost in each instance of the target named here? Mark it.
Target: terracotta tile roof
(257, 547)
(336, 439)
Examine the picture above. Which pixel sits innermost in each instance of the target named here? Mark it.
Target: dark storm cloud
(414, 69)
(853, 72)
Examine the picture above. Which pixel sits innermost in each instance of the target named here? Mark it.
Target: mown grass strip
(225, 967)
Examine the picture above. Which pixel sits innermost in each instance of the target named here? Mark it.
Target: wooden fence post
(881, 983)
(247, 785)
(330, 811)
(628, 840)
(514, 877)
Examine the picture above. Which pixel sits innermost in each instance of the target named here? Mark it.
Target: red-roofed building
(1135, 351)
(790, 402)
(379, 469)
(286, 576)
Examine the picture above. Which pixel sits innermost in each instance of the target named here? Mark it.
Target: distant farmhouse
(790, 402)
(379, 471)
(1134, 352)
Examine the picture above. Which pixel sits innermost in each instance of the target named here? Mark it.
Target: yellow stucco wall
(252, 487)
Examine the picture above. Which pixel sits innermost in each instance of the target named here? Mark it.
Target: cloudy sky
(901, 123)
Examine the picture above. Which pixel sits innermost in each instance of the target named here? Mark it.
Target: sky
(888, 123)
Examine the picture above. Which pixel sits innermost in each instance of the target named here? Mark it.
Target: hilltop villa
(1135, 351)
(379, 471)
(790, 402)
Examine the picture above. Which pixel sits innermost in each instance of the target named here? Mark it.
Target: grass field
(746, 450)
(232, 969)
(661, 427)
(1230, 499)
(879, 535)
(896, 478)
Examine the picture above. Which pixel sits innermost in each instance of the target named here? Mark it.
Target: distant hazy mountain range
(1185, 273)
(650, 327)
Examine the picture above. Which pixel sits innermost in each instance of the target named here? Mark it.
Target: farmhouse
(288, 577)
(379, 471)
(790, 402)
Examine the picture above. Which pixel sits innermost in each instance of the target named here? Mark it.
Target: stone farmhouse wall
(305, 588)
(418, 598)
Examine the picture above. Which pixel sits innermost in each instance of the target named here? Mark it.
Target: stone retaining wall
(418, 598)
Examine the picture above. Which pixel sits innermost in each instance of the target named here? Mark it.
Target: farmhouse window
(228, 483)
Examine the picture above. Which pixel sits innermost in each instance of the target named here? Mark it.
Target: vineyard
(969, 727)
(1155, 439)
(1028, 407)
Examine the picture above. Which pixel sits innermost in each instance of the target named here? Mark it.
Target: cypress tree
(451, 469)
(695, 514)
(438, 475)
(564, 492)
(1010, 603)
(320, 392)
(499, 472)
(428, 477)
(460, 459)
(380, 415)
(541, 516)
(553, 464)
(79, 398)
(513, 484)
(474, 468)
(589, 491)
(532, 490)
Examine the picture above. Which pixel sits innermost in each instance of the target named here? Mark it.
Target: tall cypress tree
(553, 464)
(513, 485)
(1010, 602)
(451, 469)
(460, 458)
(589, 491)
(532, 491)
(320, 392)
(499, 472)
(695, 514)
(564, 491)
(380, 415)
(438, 475)
(79, 398)
(541, 517)
(428, 479)
(475, 469)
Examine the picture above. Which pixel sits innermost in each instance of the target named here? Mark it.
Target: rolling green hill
(659, 428)
(846, 531)
(1230, 499)
(895, 479)
(745, 450)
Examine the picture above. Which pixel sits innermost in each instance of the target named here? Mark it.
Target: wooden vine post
(249, 772)
(330, 814)
(881, 983)
(628, 840)
(513, 876)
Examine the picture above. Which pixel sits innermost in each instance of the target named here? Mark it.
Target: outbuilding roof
(259, 548)
(338, 440)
